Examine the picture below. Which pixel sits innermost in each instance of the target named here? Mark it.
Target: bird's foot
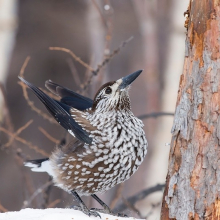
(107, 210)
(121, 215)
(86, 211)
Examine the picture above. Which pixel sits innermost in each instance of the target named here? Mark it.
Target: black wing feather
(37, 161)
(60, 112)
(69, 97)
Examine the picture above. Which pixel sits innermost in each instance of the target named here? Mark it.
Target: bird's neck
(113, 105)
(107, 116)
(112, 111)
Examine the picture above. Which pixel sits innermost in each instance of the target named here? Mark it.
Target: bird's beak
(127, 80)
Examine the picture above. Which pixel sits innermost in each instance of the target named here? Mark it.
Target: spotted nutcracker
(108, 145)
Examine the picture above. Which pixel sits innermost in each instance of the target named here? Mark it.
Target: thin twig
(29, 185)
(117, 195)
(100, 13)
(16, 152)
(24, 88)
(139, 196)
(36, 193)
(86, 77)
(29, 144)
(94, 72)
(23, 157)
(20, 158)
(50, 94)
(104, 62)
(12, 138)
(46, 194)
(109, 14)
(24, 66)
(131, 206)
(155, 115)
(110, 56)
(153, 206)
(2, 208)
(54, 203)
(31, 104)
(54, 140)
(74, 72)
(73, 55)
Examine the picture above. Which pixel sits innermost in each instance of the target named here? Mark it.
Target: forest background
(114, 38)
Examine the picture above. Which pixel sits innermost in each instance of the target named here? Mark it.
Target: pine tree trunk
(193, 180)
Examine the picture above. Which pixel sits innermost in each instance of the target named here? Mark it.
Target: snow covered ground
(54, 214)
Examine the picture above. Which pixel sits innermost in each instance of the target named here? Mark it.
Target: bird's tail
(40, 165)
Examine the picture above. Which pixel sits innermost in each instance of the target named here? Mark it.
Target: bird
(108, 142)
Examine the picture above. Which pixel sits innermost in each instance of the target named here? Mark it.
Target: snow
(55, 214)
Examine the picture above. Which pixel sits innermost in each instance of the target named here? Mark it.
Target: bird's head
(114, 95)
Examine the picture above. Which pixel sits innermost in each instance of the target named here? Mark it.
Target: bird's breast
(117, 150)
(121, 144)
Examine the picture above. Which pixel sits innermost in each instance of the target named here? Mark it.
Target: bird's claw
(94, 213)
(121, 215)
(86, 211)
(108, 211)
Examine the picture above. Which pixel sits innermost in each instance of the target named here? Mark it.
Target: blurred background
(93, 30)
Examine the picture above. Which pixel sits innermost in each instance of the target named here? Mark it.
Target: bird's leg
(106, 209)
(82, 207)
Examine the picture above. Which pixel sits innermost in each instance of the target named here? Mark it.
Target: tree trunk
(193, 180)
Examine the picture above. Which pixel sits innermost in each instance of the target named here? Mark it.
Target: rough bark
(193, 180)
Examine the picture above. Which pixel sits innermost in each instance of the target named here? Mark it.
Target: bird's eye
(108, 90)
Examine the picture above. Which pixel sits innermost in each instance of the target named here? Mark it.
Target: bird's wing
(60, 112)
(80, 118)
(69, 97)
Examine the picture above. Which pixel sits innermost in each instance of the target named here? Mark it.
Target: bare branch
(100, 13)
(88, 67)
(109, 13)
(153, 206)
(2, 208)
(54, 140)
(12, 138)
(74, 72)
(17, 152)
(24, 66)
(30, 103)
(139, 196)
(73, 55)
(36, 193)
(155, 115)
(54, 203)
(87, 75)
(131, 206)
(29, 144)
(110, 56)
(104, 62)
(50, 94)
(46, 194)
(117, 195)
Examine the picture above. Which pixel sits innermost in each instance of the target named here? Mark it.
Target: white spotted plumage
(122, 146)
(117, 149)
